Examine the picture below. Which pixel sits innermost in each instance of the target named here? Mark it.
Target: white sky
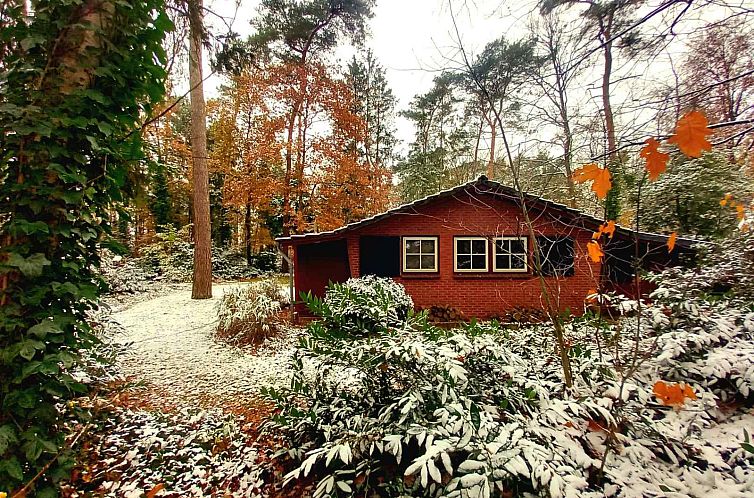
(410, 38)
(414, 39)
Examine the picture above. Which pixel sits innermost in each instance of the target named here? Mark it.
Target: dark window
(510, 254)
(380, 256)
(556, 255)
(471, 254)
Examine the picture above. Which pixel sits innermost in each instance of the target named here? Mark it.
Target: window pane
(478, 262)
(501, 246)
(412, 262)
(503, 262)
(517, 246)
(428, 246)
(428, 262)
(412, 246)
(464, 262)
(518, 263)
(478, 246)
(464, 246)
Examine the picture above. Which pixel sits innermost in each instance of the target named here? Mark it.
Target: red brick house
(468, 247)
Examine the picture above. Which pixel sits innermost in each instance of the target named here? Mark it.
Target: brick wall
(482, 294)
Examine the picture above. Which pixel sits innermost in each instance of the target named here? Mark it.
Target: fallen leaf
(600, 178)
(156, 490)
(673, 394)
(691, 134)
(671, 241)
(657, 161)
(595, 251)
(740, 212)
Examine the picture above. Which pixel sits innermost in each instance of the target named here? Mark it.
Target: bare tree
(560, 48)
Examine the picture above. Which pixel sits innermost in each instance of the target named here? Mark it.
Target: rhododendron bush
(657, 404)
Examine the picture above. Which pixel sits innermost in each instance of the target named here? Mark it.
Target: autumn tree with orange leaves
(330, 182)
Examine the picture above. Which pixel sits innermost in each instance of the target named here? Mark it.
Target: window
(380, 256)
(556, 255)
(419, 254)
(470, 254)
(511, 254)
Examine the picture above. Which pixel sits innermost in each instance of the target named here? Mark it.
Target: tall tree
(296, 31)
(440, 149)
(607, 20)
(559, 48)
(375, 104)
(504, 70)
(202, 281)
(76, 78)
(718, 76)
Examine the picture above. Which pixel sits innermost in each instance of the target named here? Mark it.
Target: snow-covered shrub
(171, 255)
(248, 314)
(481, 411)
(363, 305)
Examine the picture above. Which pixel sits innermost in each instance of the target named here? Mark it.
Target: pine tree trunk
(202, 283)
(247, 233)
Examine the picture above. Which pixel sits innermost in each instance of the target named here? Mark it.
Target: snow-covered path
(173, 350)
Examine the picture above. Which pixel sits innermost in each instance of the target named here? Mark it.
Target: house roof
(490, 187)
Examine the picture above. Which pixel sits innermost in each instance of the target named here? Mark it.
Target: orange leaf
(608, 228)
(595, 251)
(657, 161)
(156, 490)
(673, 394)
(740, 211)
(600, 178)
(671, 241)
(691, 134)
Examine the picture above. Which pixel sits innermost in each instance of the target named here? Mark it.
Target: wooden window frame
(434, 238)
(495, 269)
(486, 268)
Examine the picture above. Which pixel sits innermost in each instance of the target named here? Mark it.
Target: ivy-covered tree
(76, 77)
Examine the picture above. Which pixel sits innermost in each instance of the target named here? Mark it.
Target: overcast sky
(412, 39)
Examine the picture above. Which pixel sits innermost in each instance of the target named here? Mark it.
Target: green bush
(362, 306)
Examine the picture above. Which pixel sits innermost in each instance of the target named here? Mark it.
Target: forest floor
(181, 413)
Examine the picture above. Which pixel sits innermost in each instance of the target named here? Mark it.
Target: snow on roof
(487, 186)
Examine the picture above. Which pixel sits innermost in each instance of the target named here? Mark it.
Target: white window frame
(525, 269)
(472, 254)
(419, 238)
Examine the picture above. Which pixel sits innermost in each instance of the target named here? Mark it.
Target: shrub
(363, 305)
(479, 411)
(248, 314)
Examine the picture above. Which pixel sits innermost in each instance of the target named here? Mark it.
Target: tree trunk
(247, 233)
(202, 284)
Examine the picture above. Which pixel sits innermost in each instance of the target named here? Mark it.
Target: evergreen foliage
(74, 82)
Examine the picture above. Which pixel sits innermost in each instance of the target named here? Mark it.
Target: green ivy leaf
(7, 437)
(31, 266)
(47, 327)
(12, 468)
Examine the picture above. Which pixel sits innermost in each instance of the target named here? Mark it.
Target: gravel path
(173, 350)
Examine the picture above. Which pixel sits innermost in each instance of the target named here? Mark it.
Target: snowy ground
(185, 423)
(172, 349)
